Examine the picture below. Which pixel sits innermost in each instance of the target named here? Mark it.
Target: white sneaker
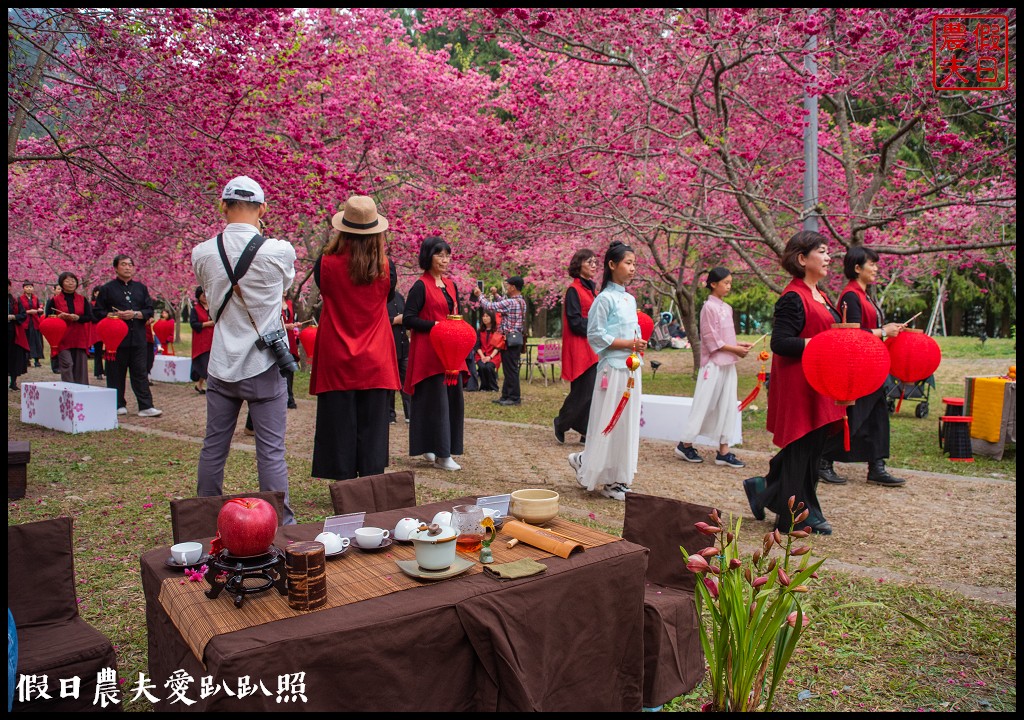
(615, 492)
(150, 412)
(446, 464)
(122, 411)
(576, 463)
(429, 457)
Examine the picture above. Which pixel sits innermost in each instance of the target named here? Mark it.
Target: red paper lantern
(845, 363)
(913, 357)
(452, 339)
(646, 324)
(53, 329)
(164, 331)
(111, 331)
(308, 339)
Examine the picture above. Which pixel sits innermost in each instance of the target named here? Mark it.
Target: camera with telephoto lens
(277, 343)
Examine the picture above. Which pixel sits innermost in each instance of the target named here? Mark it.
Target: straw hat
(359, 216)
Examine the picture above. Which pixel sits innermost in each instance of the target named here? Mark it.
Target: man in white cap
(239, 371)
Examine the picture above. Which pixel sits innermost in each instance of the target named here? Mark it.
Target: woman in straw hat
(354, 362)
(437, 412)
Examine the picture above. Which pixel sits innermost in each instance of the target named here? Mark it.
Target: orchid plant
(756, 617)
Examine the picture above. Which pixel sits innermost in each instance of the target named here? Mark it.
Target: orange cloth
(987, 408)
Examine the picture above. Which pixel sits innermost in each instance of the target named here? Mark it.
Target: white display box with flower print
(663, 417)
(69, 407)
(171, 368)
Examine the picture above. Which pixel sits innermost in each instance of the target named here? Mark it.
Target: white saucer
(336, 554)
(410, 568)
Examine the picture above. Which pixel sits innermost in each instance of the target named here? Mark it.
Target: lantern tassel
(846, 433)
(451, 378)
(899, 403)
(619, 408)
(753, 393)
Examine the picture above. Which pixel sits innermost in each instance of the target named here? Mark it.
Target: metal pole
(810, 136)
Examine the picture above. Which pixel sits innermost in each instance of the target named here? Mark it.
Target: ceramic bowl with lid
(435, 546)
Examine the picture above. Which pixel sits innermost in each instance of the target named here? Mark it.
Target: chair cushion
(673, 657)
(374, 493)
(62, 651)
(41, 573)
(195, 518)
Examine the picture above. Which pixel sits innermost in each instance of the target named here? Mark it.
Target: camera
(277, 343)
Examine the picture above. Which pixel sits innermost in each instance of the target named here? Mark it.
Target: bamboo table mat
(353, 577)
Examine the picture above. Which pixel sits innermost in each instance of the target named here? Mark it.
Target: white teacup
(187, 553)
(493, 514)
(371, 537)
(333, 542)
(443, 518)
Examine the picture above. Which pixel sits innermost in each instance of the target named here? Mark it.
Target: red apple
(246, 526)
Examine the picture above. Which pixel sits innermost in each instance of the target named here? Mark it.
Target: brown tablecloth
(568, 639)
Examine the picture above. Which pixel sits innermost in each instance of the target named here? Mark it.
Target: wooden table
(569, 639)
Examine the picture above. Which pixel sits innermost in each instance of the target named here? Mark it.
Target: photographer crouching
(244, 276)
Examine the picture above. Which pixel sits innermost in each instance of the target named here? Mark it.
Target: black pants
(403, 363)
(488, 375)
(510, 367)
(575, 412)
(35, 343)
(97, 359)
(869, 430)
(131, 359)
(351, 434)
(438, 418)
(150, 356)
(793, 472)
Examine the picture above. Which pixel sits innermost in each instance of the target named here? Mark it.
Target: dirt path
(951, 532)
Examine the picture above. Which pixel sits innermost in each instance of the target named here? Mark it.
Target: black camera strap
(241, 268)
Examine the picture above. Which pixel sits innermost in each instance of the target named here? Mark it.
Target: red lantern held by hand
(111, 331)
(164, 331)
(845, 364)
(53, 329)
(452, 339)
(308, 339)
(646, 324)
(913, 356)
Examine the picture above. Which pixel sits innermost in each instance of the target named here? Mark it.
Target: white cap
(243, 188)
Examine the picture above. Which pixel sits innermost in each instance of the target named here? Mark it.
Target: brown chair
(673, 658)
(374, 493)
(53, 640)
(196, 517)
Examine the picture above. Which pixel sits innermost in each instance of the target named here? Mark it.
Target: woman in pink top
(714, 409)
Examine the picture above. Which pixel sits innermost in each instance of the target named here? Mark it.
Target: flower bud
(777, 535)
(735, 563)
(753, 609)
(791, 619)
(697, 564)
(783, 578)
(800, 506)
(709, 552)
(772, 564)
(747, 576)
(814, 575)
(799, 534)
(705, 529)
(792, 501)
(712, 587)
(802, 550)
(758, 582)
(800, 588)
(729, 537)
(715, 517)
(715, 569)
(757, 556)
(802, 516)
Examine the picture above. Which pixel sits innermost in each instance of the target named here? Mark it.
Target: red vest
(794, 407)
(355, 349)
(77, 335)
(868, 314)
(423, 361)
(202, 340)
(489, 341)
(577, 355)
(288, 317)
(20, 336)
(33, 304)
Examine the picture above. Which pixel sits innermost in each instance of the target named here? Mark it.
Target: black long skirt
(352, 434)
(437, 415)
(575, 412)
(869, 430)
(200, 366)
(17, 358)
(793, 472)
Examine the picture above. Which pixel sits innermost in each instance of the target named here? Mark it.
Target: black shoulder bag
(241, 268)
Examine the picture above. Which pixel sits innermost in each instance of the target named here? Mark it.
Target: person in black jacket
(396, 311)
(128, 300)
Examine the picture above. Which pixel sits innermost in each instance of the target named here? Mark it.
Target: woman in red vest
(798, 416)
(437, 410)
(869, 416)
(488, 352)
(202, 339)
(354, 361)
(579, 362)
(17, 339)
(75, 310)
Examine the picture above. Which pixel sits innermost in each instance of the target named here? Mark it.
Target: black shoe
(753, 487)
(828, 473)
(559, 434)
(37, 364)
(510, 402)
(292, 405)
(498, 401)
(880, 476)
(822, 528)
(583, 439)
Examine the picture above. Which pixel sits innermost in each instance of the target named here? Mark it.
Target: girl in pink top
(714, 409)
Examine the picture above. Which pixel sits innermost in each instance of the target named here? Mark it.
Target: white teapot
(435, 546)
